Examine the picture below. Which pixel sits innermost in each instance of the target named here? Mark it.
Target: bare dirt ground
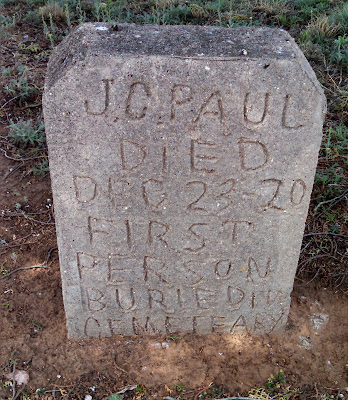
(312, 350)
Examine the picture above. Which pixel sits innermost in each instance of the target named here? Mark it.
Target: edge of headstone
(75, 49)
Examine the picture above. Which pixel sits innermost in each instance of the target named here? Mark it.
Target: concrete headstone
(182, 161)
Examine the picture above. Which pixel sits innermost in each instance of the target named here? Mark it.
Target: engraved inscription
(202, 189)
(223, 268)
(94, 299)
(156, 234)
(286, 115)
(153, 193)
(237, 227)
(196, 235)
(92, 328)
(115, 325)
(119, 192)
(85, 188)
(202, 156)
(137, 101)
(226, 189)
(132, 154)
(85, 261)
(121, 269)
(212, 108)
(254, 266)
(273, 186)
(140, 327)
(106, 85)
(157, 301)
(173, 324)
(125, 298)
(116, 233)
(181, 94)
(297, 192)
(192, 277)
(253, 113)
(218, 323)
(253, 154)
(205, 298)
(235, 296)
(153, 270)
(266, 323)
(240, 325)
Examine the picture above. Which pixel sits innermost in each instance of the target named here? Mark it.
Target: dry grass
(273, 7)
(324, 27)
(53, 10)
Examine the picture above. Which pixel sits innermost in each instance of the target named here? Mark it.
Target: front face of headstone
(181, 187)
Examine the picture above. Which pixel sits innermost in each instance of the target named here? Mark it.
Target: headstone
(182, 161)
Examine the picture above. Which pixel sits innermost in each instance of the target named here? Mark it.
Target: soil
(312, 350)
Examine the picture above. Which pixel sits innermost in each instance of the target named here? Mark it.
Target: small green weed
(3, 270)
(41, 167)
(275, 382)
(20, 88)
(140, 389)
(6, 304)
(179, 388)
(26, 133)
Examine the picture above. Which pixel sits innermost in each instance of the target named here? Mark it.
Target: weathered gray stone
(182, 161)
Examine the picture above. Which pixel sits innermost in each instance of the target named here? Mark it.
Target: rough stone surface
(182, 162)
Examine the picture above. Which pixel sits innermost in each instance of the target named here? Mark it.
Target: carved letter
(205, 298)
(223, 268)
(125, 301)
(202, 191)
(235, 296)
(152, 266)
(193, 230)
(140, 328)
(285, 115)
(181, 94)
(197, 159)
(85, 261)
(153, 193)
(227, 188)
(253, 154)
(298, 191)
(240, 325)
(156, 234)
(266, 323)
(173, 324)
(115, 234)
(212, 107)
(132, 154)
(191, 276)
(121, 269)
(235, 229)
(251, 110)
(157, 301)
(137, 101)
(107, 100)
(218, 324)
(94, 297)
(253, 265)
(277, 183)
(85, 188)
(119, 192)
(92, 328)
